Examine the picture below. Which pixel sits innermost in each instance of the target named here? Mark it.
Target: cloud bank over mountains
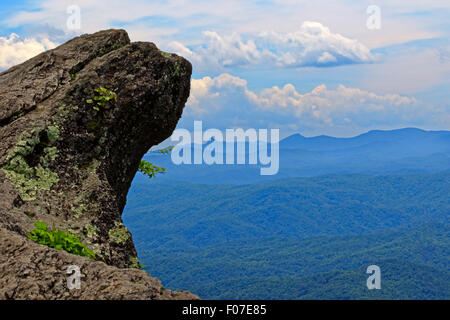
(226, 99)
(313, 45)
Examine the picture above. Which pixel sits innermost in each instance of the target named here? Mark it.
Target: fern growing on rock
(59, 240)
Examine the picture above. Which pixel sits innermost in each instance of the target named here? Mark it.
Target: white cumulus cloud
(339, 111)
(14, 50)
(313, 45)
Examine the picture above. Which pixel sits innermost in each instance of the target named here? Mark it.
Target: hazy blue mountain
(425, 142)
(403, 151)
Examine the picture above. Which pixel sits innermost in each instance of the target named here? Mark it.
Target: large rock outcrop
(70, 164)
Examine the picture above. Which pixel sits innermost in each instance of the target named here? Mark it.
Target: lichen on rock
(134, 263)
(28, 179)
(119, 234)
(91, 230)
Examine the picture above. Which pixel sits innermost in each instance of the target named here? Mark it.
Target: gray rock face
(70, 163)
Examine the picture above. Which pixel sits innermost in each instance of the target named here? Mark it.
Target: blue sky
(313, 67)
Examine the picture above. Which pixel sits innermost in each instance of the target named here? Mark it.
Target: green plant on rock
(102, 99)
(59, 240)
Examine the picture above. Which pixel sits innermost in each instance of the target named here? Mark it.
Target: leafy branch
(166, 150)
(150, 169)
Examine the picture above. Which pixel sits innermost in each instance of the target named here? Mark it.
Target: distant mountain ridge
(324, 142)
(402, 151)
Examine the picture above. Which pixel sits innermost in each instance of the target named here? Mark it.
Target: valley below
(306, 237)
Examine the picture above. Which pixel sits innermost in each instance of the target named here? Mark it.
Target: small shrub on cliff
(60, 240)
(150, 169)
(102, 99)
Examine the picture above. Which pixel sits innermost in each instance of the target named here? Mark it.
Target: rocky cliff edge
(68, 162)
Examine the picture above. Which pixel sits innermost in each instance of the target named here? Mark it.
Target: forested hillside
(301, 238)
